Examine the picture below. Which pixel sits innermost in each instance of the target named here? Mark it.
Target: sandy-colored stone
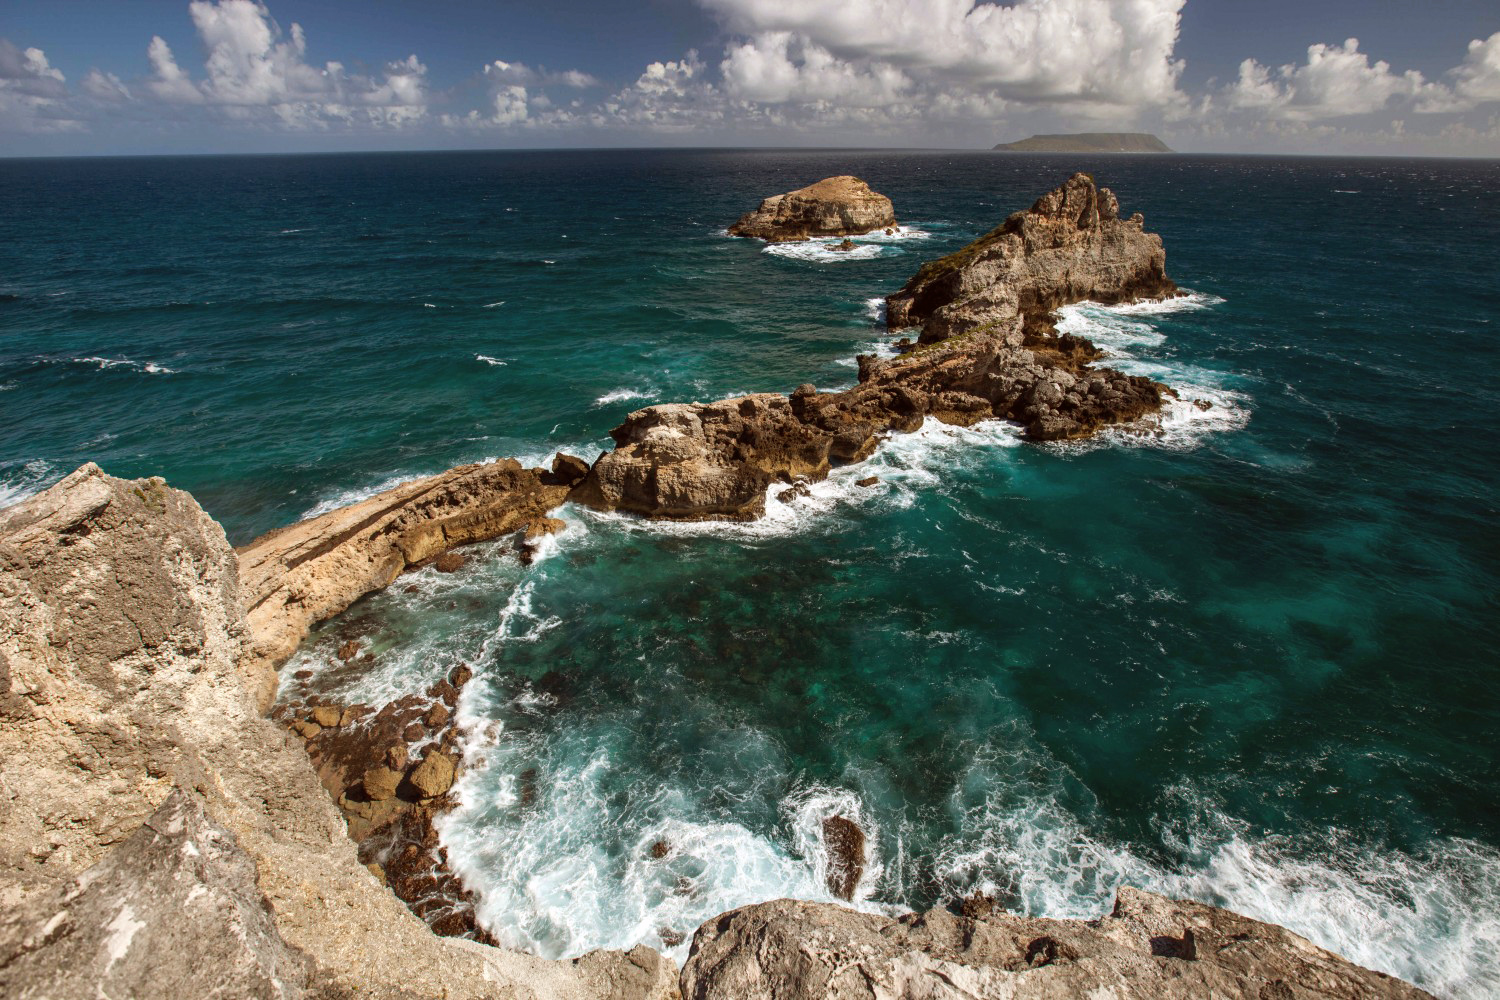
(121, 636)
(327, 716)
(1149, 948)
(434, 775)
(834, 206)
(298, 575)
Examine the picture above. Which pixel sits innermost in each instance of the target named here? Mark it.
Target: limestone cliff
(1070, 246)
(834, 206)
(120, 642)
(1149, 948)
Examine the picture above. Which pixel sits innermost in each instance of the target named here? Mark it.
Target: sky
(1390, 77)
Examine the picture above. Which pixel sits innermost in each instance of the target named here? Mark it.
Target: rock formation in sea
(1070, 246)
(834, 206)
(988, 349)
(1148, 948)
(159, 836)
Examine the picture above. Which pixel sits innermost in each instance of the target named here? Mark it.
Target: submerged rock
(845, 843)
(1148, 948)
(834, 206)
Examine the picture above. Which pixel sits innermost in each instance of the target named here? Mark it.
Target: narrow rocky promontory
(1071, 246)
(1148, 948)
(834, 206)
(296, 576)
(988, 350)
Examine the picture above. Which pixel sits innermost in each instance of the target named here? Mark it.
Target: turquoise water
(1246, 655)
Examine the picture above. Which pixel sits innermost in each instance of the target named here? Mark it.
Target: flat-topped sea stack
(1087, 142)
(1071, 246)
(835, 206)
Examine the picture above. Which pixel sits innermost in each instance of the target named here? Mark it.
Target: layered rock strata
(121, 633)
(834, 206)
(296, 576)
(1148, 948)
(1070, 246)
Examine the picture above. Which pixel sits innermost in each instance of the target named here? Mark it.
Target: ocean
(1246, 655)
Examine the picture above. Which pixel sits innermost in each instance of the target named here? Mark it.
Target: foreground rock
(121, 633)
(835, 206)
(173, 911)
(1070, 246)
(990, 351)
(1149, 948)
(298, 575)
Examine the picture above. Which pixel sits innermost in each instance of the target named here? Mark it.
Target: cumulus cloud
(1477, 79)
(1110, 52)
(33, 92)
(1336, 81)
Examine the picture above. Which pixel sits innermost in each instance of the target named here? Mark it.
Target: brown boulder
(845, 843)
(434, 776)
(834, 206)
(569, 470)
(449, 562)
(380, 782)
(327, 716)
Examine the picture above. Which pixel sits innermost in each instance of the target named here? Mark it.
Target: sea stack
(1070, 246)
(835, 206)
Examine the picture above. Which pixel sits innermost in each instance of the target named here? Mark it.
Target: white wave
(149, 367)
(25, 482)
(906, 465)
(622, 395)
(493, 305)
(875, 309)
(429, 305)
(349, 497)
(879, 347)
(823, 251)
(488, 360)
(1205, 404)
(1432, 919)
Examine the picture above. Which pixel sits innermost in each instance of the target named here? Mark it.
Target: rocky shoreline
(163, 837)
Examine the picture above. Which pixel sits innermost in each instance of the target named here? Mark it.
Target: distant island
(1088, 142)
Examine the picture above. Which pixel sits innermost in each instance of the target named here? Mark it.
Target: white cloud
(168, 82)
(105, 86)
(1477, 79)
(1109, 52)
(33, 92)
(1335, 82)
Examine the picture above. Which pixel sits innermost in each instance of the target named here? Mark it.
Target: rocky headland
(834, 206)
(161, 836)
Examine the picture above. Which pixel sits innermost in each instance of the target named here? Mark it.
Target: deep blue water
(1246, 656)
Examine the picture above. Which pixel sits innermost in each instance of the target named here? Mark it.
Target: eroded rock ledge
(296, 576)
(834, 206)
(1148, 948)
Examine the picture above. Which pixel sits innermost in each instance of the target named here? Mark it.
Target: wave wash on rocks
(160, 837)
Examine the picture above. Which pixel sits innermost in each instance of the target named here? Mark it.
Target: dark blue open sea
(1249, 656)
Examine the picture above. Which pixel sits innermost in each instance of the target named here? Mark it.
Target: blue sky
(1316, 76)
